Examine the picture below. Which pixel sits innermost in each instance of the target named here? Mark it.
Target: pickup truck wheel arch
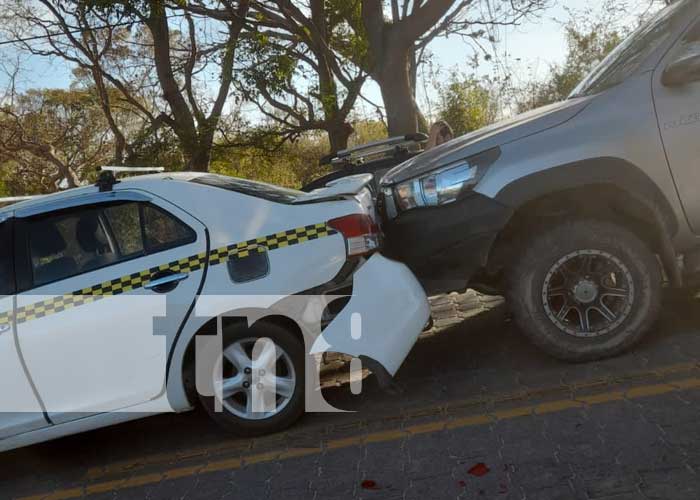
(591, 188)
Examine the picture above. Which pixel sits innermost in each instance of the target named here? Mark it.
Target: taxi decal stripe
(135, 281)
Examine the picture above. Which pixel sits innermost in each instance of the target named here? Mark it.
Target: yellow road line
(644, 391)
(242, 447)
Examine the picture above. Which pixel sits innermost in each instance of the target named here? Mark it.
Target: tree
(294, 68)
(164, 62)
(51, 139)
(590, 37)
(397, 42)
(466, 103)
(586, 47)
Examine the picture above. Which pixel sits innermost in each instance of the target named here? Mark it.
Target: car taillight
(360, 231)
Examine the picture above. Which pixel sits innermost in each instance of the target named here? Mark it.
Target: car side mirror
(685, 69)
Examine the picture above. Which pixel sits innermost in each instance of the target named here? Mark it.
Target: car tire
(232, 414)
(564, 275)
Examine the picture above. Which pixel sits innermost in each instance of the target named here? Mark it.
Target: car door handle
(166, 283)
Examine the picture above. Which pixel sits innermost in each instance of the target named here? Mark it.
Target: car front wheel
(585, 290)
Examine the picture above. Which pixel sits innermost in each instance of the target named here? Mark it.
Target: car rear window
(251, 188)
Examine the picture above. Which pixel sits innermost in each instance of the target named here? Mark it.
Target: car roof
(129, 182)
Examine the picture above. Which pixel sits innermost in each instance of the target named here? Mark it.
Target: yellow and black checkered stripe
(187, 265)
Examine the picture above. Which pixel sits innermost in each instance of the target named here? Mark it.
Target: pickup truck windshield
(625, 59)
(251, 188)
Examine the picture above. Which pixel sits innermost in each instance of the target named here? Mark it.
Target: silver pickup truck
(577, 212)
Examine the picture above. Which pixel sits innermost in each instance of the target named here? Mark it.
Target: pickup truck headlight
(439, 187)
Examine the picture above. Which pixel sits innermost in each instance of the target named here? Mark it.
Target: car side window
(162, 231)
(66, 244)
(143, 228)
(77, 241)
(7, 279)
(125, 222)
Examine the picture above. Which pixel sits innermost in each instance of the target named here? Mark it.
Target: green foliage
(466, 103)
(159, 149)
(265, 63)
(292, 164)
(51, 136)
(348, 36)
(588, 42)
(4, 191)
(367, 131)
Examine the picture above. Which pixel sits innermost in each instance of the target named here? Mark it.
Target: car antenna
(108, 178)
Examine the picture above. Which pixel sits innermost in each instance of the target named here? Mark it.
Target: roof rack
(132, 170)
(375, 150)
(105, 181)
(8, 200)
(107, 178)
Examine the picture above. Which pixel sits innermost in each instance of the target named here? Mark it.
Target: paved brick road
(476, 397)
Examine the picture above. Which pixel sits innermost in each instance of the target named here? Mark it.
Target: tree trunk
(198, 158)
(394, 80)
(392, 52)
(339, 135)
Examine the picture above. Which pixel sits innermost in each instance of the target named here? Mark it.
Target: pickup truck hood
(486, 138)
(337, 189)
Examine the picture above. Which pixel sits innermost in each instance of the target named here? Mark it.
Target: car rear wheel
(259, 380)
(585, 290)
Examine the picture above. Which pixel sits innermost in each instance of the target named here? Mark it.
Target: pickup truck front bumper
(444, 246)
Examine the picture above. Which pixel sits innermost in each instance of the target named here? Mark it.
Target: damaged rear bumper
(383, 318)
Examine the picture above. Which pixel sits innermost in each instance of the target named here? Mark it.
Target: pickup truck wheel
(585, 290)
(259, 389)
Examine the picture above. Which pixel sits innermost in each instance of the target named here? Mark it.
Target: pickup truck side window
(77, 241)
(7, 275)
(627, 57)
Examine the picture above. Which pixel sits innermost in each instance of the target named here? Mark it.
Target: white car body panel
(350, 185)
(387, 333)
(115, 363)
(93, 368)
(19, 406)
(147, 409)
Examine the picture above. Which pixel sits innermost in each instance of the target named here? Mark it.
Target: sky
(537, 44)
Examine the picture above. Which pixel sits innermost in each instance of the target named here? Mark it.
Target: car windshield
(251, 188)
(626, 58)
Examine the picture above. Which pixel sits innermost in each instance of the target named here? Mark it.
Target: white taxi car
(100, 286)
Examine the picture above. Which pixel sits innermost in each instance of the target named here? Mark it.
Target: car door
(104, 290)
(678, 113)
(20, 410)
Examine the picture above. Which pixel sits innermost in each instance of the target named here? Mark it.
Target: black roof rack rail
(380, 148)
(108, 175)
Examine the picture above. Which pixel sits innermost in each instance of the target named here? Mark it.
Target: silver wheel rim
(254, 387)
(588, 293)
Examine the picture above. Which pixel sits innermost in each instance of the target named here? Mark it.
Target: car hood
(486, 138)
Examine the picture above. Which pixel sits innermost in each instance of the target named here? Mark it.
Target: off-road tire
(527, 278)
